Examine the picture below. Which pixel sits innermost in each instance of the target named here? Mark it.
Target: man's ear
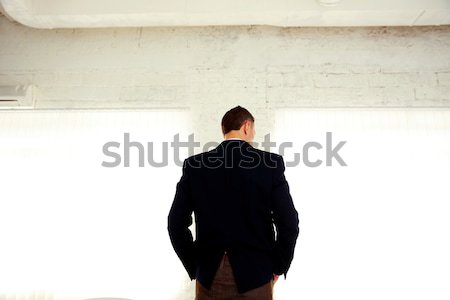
(247, 126)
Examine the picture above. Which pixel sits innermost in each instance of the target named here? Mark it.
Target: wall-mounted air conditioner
(17, 97)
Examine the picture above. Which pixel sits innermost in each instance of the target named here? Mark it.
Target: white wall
(210, 69)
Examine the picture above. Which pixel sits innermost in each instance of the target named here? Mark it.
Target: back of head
(235, 118)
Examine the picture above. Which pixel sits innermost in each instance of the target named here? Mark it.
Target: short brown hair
(234, 118)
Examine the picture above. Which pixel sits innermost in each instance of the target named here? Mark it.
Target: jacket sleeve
(285, 218)
(179, 220)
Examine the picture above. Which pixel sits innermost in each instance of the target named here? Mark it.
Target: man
(237, 194)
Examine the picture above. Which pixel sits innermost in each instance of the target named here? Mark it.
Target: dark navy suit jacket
(238, 194)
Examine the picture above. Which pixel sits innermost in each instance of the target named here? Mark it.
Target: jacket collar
(233, 143)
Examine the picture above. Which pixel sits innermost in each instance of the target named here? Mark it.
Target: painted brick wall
(211, 69)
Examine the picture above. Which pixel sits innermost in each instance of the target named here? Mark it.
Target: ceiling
(138, 13)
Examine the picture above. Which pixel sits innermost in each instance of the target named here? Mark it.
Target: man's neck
(233, 138)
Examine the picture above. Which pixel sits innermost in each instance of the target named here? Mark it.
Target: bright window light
(73, 229)
(377, 228)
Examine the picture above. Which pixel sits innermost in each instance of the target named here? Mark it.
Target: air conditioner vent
(17, 97)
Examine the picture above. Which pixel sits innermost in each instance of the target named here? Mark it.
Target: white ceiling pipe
(139, 13)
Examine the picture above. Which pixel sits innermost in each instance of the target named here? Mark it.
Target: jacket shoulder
(272, 155)
(273, 159)
(267, 153)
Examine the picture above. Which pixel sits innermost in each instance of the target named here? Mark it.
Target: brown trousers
(224, 287)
